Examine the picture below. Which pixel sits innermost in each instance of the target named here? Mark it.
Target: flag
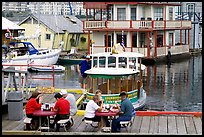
(123, 43)
(8, 30)
(9, 33)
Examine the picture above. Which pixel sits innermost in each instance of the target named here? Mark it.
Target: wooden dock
(143, 125)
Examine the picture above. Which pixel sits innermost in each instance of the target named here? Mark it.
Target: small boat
(118, 72)
(71, 58)
(55, 68)
(24, 53)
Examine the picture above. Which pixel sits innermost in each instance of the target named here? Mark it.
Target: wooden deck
(150, 125)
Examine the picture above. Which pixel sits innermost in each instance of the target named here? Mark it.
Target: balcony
(129, 24)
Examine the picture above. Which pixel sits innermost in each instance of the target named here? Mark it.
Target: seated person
(62, 107)
(34, 103)
(99, 92)
(91, 108)
(72, 100)
(125, 112)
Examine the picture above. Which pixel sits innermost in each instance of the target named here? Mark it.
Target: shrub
(83, 39)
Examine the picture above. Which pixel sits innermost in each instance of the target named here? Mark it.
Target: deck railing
(129, 24)
(161, 51)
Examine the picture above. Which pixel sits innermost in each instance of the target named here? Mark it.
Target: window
(121, 14)
(190, 7)
(109, 40)
(170, 13)
(158, 13)
(170, 39)
(134, 39)
(159, 40)
(133, 13)
(142, 40)
(47, 36)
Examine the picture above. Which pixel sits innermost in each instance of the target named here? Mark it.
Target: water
(175, 87)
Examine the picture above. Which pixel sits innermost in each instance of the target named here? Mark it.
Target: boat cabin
(114, 73)
(22, 48)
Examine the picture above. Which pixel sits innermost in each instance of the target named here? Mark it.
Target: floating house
(144, 27)
(54, 29)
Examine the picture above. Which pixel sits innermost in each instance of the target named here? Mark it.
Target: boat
(55, 68)
(119, 72)
(24, 53)
(71, 58)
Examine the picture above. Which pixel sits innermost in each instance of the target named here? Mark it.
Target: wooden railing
(129, 24)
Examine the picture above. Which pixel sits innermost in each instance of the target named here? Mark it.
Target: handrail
(29, 65)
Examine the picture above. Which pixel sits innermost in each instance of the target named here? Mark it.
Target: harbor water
(169, 87)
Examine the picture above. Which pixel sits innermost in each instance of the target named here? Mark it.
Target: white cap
(63, 92)
(88, 57)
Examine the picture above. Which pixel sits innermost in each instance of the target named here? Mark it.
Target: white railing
(128, 24)
(179, 49)
(186, 24)
(140, 50)
(99, 49)
(94, 24)
(118, 24)
(161, 51)
(173, 24)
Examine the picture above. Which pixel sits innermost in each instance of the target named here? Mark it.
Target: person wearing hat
(72, 100)
(81, 68)
(125, 112)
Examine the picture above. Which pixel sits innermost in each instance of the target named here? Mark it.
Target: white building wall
(98, 38)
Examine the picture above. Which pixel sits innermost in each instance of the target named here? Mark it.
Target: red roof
(103, 5)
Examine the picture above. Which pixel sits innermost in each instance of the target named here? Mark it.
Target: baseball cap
(88, 57)
(63, 91)
(123, 93)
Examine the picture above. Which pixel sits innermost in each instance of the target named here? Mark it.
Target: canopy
(7, 24)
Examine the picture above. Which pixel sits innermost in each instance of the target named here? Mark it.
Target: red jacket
(32, 105)
(63, 106)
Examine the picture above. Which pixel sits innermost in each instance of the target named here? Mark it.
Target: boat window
(31, 48)
(122, 62)
(95, 62)
(132, 63)
(44, 53)
(102, 62)
(111, 62)
(19, 45)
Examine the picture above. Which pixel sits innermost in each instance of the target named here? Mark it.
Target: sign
(113, 98)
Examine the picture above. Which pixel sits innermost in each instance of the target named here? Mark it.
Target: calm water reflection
(175, 87)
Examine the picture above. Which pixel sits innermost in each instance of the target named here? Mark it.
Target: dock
(145, 123)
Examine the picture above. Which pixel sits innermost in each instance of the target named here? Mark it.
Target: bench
(27, 123)
(65, 122)
(125, 124)
(89, 122)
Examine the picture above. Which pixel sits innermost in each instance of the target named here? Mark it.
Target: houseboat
(118, 72)
(148, 28)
